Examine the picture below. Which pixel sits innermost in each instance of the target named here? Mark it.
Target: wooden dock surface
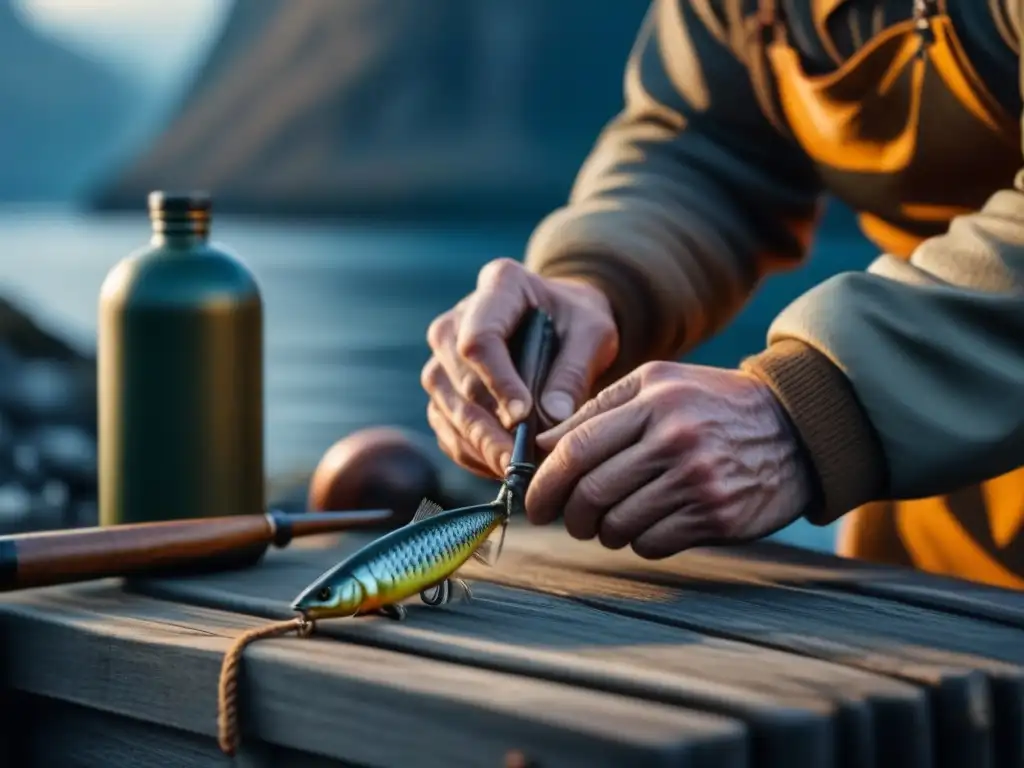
(570, 655)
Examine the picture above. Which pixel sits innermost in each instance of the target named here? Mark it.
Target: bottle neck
(181, 231)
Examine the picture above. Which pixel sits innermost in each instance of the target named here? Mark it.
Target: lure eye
(323, 594)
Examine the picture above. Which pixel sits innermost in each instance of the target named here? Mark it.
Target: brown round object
(376, 468)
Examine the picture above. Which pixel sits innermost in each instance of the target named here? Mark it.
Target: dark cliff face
(59, 114)
(393, 107)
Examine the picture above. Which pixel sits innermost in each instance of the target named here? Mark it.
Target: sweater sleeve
(907, 381)
(690, 196)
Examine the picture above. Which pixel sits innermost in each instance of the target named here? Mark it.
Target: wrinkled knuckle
(591, 492)
(608, 397)
(500, 272)
(432, 375)
(472, 346)
(460, 416)
(440, 330)
(680, 437)
(715, 494)
(657, 370)
(702, 475)
(572, 448)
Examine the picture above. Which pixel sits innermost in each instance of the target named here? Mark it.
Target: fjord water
(346, 309)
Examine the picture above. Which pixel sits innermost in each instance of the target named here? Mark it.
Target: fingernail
(506, 459)
(516, 410)
(558, 405)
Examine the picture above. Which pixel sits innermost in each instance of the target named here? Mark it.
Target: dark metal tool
(534, 346)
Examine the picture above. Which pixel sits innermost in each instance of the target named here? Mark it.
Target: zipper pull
(924, 10)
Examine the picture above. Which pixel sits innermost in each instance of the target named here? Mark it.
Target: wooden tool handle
(63, 557)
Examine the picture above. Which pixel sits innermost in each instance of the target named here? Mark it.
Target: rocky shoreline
(48, 460)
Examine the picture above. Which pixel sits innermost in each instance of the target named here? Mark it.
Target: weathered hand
(670, 457)
(476, 396)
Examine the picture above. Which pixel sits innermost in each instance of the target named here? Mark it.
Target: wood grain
(777, 563)
(801, 711)
(776, 603)
(72, 736)
(904, 585)
(796, 659)
(157, 662)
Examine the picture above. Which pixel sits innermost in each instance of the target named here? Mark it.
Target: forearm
(688, 199)
(908, 381)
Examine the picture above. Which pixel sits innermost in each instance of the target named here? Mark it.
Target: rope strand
(227, 689)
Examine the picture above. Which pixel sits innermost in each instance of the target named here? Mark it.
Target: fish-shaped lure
(420, 557)
(423, 556)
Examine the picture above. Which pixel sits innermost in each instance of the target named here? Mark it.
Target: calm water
(346, 310)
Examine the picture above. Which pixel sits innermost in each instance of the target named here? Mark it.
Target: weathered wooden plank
(801, 711)
(781, 564)
(158, 662)
(55, 733)
(1003, 606)
(757, 600)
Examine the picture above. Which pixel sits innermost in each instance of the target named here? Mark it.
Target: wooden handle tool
(219, 543)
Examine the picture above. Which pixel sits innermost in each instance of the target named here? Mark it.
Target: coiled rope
(227, 688)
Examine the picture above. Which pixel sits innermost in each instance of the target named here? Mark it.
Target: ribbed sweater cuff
(838, 438)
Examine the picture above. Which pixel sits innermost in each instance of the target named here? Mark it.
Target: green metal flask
(180, 376)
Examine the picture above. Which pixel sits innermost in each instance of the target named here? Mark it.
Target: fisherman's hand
(476, 396)
(670, 457)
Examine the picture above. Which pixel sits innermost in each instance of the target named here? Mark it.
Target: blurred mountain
(393, 107)
(60, 113)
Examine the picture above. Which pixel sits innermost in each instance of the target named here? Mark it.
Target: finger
(587, 349)
(456, 449)
(443, 341)
(688, 526)
(471, 422)
(605, 487)
(611, 397)
(630, 518)
(503, 295)
(576, 454)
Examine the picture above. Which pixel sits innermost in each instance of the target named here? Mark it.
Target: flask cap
(180, 213)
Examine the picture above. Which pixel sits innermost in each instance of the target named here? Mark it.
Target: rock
(50, 391)
(23, 336)
(66, 453)
(9, 359)
(48, 452)
(15, 505)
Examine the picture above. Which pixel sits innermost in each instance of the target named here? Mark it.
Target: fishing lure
(423, 556)
(420, 557)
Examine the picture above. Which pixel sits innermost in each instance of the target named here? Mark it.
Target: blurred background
(366, 158)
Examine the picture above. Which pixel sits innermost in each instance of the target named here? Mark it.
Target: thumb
(586, 352)
(608, 399)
